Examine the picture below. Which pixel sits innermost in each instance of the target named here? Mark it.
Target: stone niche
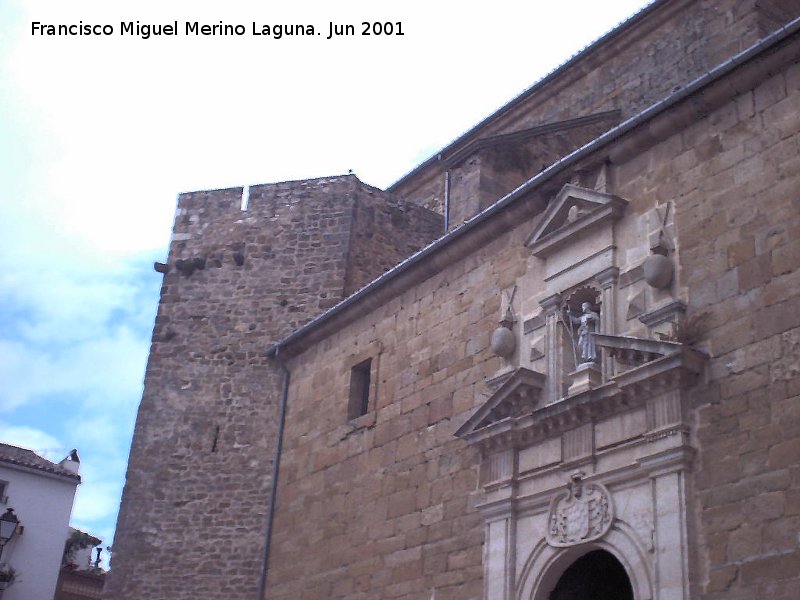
(586, 462)
(575, 240)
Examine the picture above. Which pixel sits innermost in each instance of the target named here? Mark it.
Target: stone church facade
(561, 358)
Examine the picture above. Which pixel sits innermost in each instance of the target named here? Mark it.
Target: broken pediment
(640, 359)
(644, 368)
(573, 213)
(635, 351)
(517, 395)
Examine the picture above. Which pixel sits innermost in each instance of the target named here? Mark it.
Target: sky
(99, 134)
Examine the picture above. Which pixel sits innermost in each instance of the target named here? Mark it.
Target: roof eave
(605, 39)
(66, 477)
(649, 130)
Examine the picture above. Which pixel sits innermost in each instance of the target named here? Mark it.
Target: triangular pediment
(517, 395)
(574, 212)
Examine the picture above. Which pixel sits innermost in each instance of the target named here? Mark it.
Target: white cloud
(74, 326)
(104, 371)
(34, 439)
(95, 501)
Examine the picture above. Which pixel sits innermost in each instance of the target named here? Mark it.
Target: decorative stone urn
(658, 271)
(503, 342)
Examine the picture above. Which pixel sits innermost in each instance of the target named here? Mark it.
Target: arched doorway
(597, 575)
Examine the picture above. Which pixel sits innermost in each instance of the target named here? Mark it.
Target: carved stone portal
(584, 513)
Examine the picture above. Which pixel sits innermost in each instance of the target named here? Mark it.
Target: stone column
(608, 313)
(553, 349)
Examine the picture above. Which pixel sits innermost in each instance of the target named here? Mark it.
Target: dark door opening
(594, 576)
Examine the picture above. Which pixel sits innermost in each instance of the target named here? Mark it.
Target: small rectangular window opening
(3, 496)
(359, 390)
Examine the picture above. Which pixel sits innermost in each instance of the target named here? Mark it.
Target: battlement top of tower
(214, 216)
(255, 198)
(194, 196)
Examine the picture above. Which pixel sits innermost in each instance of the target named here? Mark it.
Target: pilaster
(608, 314)
(553, 348)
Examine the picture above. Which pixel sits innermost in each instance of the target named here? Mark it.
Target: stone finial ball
(658, 270)
(503, 342)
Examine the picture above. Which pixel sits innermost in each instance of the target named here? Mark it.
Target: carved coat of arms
(584, 513)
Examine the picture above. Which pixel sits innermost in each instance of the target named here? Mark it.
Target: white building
(41, 494)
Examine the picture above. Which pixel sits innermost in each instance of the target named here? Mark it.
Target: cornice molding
(668, 366)
(459, 155)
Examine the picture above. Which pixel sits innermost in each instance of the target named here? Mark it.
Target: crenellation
(198, 209)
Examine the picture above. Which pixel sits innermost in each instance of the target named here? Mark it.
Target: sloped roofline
(425, 259)
(24, 459)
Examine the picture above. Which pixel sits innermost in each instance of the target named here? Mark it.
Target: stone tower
(192, 518)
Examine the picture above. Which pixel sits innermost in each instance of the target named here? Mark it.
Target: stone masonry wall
(678, 42)
(735, 182)
(192, 517)
(383, 231)
(381, 507)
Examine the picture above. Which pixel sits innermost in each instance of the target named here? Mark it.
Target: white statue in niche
(587, 324)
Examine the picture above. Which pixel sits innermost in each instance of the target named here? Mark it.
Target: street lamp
(8, 527)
